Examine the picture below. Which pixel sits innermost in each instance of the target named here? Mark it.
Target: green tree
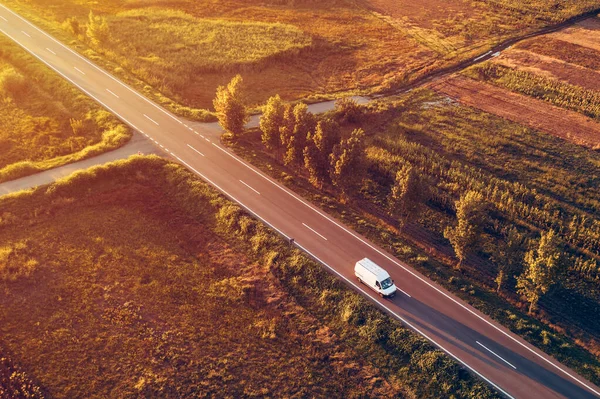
(407, 195)
(286, 130)
(347, 110)
(470, 214)
(271, 122)
(347, 163)
(313, 161)
(291, 153)
(230, 108)
(507, 254)
(304, 125)
(327, 134)
(317, 150)
(96, 29)
(541, 269)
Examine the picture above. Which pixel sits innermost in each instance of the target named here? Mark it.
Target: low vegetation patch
(45, 122)
(148, 283)
(186, 43)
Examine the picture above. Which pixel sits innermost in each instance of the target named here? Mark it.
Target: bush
(13, 83)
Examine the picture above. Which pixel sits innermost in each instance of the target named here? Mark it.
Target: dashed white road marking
(206, 139)
(3, 18)
(79, 70)
(246, 184)
(314, 231)
(195, 150)
(151, 120)
(108, 90)
(404, 292)
(50, 51)
(495, 354)
(25, 33)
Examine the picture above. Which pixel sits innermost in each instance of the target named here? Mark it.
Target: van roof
(374, 268)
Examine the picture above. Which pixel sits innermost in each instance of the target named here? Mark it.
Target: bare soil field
(551, 67)
(528, 111)
(586, 34)
(562, 50)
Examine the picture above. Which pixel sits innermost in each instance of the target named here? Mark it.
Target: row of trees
(294, 136)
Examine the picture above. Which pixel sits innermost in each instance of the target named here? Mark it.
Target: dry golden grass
(109, 278)
(322, 49)
(47, 123)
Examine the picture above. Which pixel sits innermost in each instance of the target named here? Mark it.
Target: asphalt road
(504, 360)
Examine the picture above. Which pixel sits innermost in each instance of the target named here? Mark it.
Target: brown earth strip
(562, 50)
(551, 67)
(534, 113)
(585, 33)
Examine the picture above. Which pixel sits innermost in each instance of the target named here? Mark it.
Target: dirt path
(528, 111)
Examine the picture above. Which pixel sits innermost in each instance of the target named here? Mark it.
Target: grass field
(44, 122)
(320, 49)
(531, 180)
(142, 281)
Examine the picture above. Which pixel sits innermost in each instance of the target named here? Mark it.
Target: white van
(371, 274)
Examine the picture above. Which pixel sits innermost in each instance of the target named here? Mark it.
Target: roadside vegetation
(44, 121)
(123, 274)
(508, 221)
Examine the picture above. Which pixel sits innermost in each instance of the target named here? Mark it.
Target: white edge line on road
(3, 18)
(324, 215)
(79, 70)
(247, 185)
(195, 150)
(404, 292)
(289, 193)
(151, 120)
(92, 64)
(108, 90)
(25, 33)
(314, 231)
(50, 51)
(495, 354)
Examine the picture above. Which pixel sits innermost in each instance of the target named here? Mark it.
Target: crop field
(142, 281)
(44, 122)
(295, 49)
(531, 81)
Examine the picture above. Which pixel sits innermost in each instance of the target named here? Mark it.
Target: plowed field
(528, 111)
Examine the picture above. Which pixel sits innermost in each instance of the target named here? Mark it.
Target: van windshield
(387, 283)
